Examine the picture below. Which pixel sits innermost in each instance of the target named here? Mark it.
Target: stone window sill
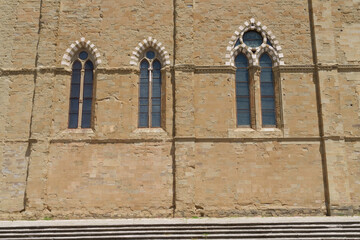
(252, 133)
(146, 133)
(75, 134)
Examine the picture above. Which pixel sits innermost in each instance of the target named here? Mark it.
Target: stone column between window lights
(257, 97)
(278, 97)
(81, 96)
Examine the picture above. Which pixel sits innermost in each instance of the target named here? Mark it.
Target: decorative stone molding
(204, 69)
(74, 48)
(297, 68)
(215, 69)
(253, 54)
(150, 43)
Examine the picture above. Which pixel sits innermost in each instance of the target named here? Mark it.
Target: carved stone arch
(274, 49)
(272, 53)
(242, 49)
(150, 43)
(76, 46)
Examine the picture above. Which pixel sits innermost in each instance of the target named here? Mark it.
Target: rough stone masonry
(199, 163)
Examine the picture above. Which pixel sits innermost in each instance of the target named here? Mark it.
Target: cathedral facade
(182, 108)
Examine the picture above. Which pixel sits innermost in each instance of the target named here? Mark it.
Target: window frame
(267, 96)
(254, 54)
(251, 100)
(83, 62)
(157, 57)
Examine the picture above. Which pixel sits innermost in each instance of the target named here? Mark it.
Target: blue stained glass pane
(268, 104)
(157, 82)
(144, 81)
(266, 74)
(74, 106)
(73, 120)
(143, 120)
(157, 65)
(144, 94)
(266, 69)
(88, 91)
(87, 106)
(267, 89)
(242, 89)
(74, 95)
(150, 54)
(144, 74)
(75, 91)
(268, 118)
(75, 78)
(252, 39)
(242, 103)
(242, 75)
(155, 120)
(86, 120)
(83, 55)
(144, 101)
(144, 64)
(77, 65)
(156, 90)
(156, 101)
(156, 108)
(243, 118)
(88, 76)
(156, 75)
(89, 65)
(241, 61)
(156, 95)
(265, 60)
(237, 43)
(144, 108)
(144, 90)
(266, 77)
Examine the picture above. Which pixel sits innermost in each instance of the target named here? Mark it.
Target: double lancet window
(81, 93)
(257, 90)
(150, 90)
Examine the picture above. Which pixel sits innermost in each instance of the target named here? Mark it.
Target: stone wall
(199, 163)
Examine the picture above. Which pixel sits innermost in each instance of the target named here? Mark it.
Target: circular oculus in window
(150, 54)
(83, 55)
(252, 39)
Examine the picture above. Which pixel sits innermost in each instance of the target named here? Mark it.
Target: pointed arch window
(267, 91)
(242, 91)
(81, 92)
(257, 87)
(150, 91)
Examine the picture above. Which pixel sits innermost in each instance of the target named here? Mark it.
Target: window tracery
(253, 54)
(81, 91)
(150, 90)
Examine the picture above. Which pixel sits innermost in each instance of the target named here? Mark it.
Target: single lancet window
(81, 93)
(252, 39)
(242, 91)
(150, 91)
(267, 92)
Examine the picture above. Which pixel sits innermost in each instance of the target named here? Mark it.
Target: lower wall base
(163, 213)
(253, 212)
(345, 210)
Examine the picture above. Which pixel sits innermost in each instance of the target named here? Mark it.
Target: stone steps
(283, 229)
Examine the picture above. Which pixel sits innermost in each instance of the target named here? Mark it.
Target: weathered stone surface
(199, 163)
